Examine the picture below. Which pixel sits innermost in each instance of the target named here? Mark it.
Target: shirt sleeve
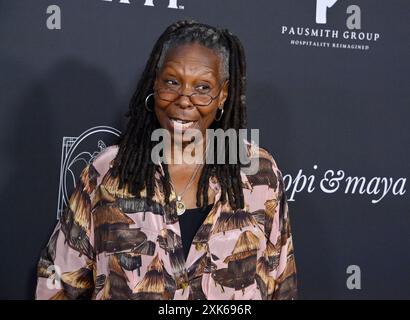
(65, 270)
(280, 260)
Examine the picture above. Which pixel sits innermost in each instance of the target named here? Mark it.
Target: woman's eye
(170, 82)
(203, 87)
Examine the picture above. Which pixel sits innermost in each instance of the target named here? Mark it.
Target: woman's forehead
(193, 69)
(193, 57)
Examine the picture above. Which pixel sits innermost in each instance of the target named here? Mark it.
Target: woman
(136, 229)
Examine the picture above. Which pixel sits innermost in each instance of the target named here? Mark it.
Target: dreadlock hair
(133, 162)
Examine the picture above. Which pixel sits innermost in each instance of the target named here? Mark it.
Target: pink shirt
(109, 244)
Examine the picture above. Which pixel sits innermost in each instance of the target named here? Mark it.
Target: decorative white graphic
(321, 9)
(172, 4)
(329, 37)
(75, 155)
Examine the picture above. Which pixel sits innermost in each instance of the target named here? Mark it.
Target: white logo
(322, 37)
(333, 181)
(76, 154)
(321, 10)
(172, 4)
(354, 21)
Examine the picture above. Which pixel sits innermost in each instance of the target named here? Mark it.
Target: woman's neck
(186, 153)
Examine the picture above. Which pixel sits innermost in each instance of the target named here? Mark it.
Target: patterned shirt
(109, 244)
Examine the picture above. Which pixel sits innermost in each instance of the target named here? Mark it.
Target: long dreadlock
(133, 162)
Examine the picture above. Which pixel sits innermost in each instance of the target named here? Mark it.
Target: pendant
(180, 206)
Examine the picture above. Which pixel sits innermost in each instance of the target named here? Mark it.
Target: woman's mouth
(180, 125)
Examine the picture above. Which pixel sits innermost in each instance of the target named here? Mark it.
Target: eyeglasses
(198, 99)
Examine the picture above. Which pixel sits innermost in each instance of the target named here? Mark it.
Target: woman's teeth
(182, 124)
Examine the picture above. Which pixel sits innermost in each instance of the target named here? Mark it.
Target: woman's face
(189, 68)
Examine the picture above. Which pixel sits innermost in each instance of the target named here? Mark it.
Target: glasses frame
(190, 95)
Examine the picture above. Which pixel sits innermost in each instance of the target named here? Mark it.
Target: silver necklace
(180, 205)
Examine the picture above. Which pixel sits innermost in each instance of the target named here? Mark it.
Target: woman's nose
(184, 100)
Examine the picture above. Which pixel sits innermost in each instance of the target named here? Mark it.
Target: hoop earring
(222, 112)
(146, 101)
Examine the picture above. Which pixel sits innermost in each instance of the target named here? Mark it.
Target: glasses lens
(201, 99)
(168, 95)
(197, 99)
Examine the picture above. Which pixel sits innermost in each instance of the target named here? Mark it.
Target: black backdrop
(324, 112)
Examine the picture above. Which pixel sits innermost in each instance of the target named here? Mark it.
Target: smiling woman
(189, 92)
(136, 229)
(195, 69)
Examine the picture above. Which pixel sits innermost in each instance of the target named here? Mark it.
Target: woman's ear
(224, 92)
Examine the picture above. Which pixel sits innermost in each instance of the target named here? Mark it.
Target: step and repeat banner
(328, 88)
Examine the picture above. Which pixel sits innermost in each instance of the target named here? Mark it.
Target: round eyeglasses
(198, 99)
